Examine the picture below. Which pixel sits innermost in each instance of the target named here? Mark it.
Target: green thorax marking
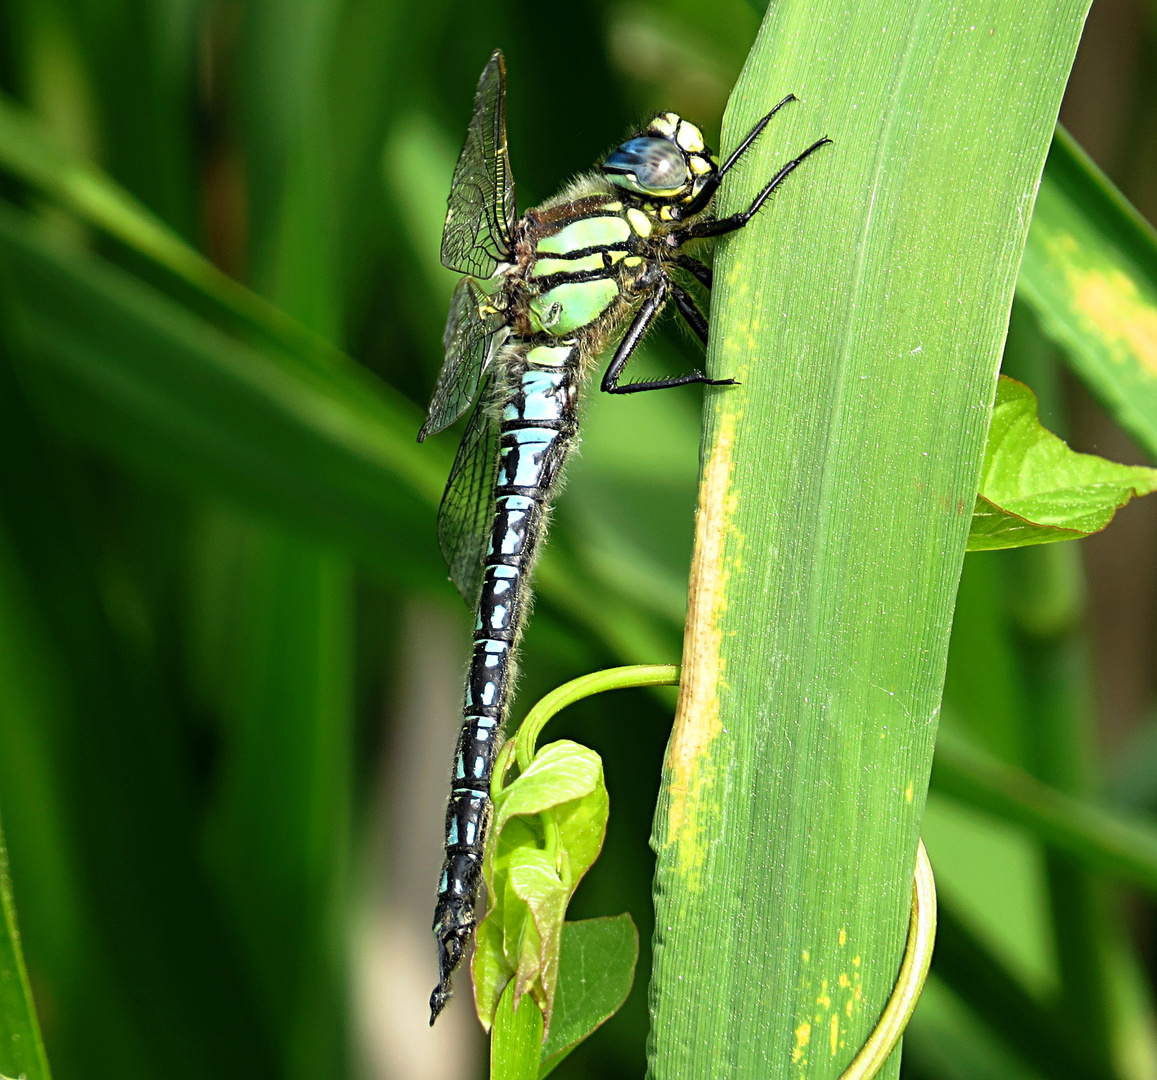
(589, 232)
(549, 355)
(594, 224)
(571, 306)
(546, 267)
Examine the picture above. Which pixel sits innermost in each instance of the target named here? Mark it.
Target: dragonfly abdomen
(536, 431)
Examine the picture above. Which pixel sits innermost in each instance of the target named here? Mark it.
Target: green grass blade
(1102, 839)
(28, 152)
(122, 902)
(21, 1048)
(1090, 275)
(864, 314)
(331, 452)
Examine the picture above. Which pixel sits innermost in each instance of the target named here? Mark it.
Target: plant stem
(516, 1038)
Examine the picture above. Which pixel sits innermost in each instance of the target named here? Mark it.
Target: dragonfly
(543, 295)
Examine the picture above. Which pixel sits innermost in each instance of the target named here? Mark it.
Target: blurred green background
(230, 664)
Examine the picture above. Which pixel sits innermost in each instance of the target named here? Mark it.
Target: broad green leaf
(1034, 489)
(1090, 275)
(863, 312)
(568, 779)
(596, 970)
(21, 1049)
(548, 829)
(559, 772)
(534, 883)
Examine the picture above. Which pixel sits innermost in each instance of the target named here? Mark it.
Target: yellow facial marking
(689, 137)
(613, 206)
(639, 222)
(632, 260)
(665, 123)
(665, 214)
(699, 165)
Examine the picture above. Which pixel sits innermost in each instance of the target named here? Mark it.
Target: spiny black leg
(737, 221)
(651, 307)
(691, 314)
(752, 135)
(704, 196)
(633, 336)
(694, 267)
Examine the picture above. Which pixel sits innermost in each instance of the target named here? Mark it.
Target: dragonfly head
(666, 162)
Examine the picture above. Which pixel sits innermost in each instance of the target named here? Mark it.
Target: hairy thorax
(582, 261)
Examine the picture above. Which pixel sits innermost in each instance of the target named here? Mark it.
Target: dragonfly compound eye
(648, 165)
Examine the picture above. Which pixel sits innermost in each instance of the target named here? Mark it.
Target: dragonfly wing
(481, 213)
(470, 341)
(466, 515)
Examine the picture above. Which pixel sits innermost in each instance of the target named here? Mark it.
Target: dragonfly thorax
(582, 258)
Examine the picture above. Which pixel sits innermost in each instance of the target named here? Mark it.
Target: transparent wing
(471, 340)
(466, 515)
(481, 213)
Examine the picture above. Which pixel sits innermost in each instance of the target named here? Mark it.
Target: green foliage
(21, 1048)
(1034, 489)
(549, 824)
(221, 315)
(1090, 275)
(517, 1037)
(834, 511)
(597, 967)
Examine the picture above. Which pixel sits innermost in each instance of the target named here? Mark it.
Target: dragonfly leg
(704, 196)
(646, 315)
(695, 268)
(736, 221)
(692, 316)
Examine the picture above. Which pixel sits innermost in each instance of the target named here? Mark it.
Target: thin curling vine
(551, 809)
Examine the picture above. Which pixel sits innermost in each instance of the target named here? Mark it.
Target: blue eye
(647, 165)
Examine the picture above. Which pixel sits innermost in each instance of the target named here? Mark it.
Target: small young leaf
(548, 828)
(1035, 490)
(596, 970)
